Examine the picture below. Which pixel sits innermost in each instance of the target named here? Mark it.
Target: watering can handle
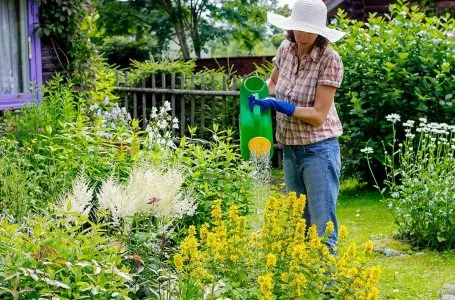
(257, 115)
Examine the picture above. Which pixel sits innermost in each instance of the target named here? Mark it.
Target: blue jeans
(314, 170)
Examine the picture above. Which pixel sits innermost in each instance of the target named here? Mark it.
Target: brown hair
(320, 41)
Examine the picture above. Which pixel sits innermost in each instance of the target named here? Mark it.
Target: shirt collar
(315, 53)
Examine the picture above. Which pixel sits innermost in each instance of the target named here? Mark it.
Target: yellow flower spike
(351, 252)
(351, 272)
(178, 262)
(329, 228)
(313, 239)
(192, 230)
(368, 248)
(342, 232)
(265, 283)
(217, 213)
(233, 214)
(271, 260)
(234, 258)
(373, 294)
(203, 232)
(285, 277)
(292, 196)
(325, 250)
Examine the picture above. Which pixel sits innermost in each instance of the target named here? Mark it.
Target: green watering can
(256, 134)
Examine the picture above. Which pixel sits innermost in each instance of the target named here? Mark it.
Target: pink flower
(153, 200)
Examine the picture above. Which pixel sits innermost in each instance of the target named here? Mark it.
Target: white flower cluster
(367, 150)
(159, 129)
(393, 118)
(78, 198)
(149, 190)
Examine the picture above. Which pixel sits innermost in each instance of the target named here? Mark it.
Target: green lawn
(413, 275)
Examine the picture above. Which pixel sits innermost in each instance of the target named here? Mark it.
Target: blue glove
(279, 105)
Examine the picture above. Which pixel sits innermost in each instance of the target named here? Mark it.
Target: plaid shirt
(321, 67)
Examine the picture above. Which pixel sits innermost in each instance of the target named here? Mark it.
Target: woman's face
(304, 38)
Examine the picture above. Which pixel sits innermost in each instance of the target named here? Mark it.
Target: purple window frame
(14, 101)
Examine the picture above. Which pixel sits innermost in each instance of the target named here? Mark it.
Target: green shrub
(402, 63)
(17, 187)
(61, 256)
(216, 170)
(121, 51)
(53, 141)
(421, 182)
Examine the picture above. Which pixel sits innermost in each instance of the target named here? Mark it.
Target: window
(20, 59)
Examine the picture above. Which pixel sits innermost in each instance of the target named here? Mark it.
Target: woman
(306, 75)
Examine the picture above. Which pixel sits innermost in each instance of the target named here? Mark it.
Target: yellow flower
(271, 260)
(234, 258)
(351, 272)
(178, 261)
(373, 294)
(299, 252)
(285, 277)
(369, 247)
(203, 232)
(329, 228)
(342, 232)
(217, 213)
(300, 280)
(265, 282)
(313, 238)
(233, 214)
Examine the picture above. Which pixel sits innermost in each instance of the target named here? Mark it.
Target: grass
(414, 274)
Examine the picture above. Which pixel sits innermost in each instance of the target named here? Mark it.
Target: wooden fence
(197, 100)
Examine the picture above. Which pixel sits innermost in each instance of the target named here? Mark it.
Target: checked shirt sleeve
(331, 71)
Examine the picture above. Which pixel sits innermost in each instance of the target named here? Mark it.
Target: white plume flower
(149, 190)
(78, 198)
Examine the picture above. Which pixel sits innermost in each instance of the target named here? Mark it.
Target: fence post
(126, 94)
(192, 101)
(234, 88)
(182, 106)
(153, 86)
(213, 100)
(144, 107)
(163, 85)
(224, 101)
(202, 102)
(173, 100)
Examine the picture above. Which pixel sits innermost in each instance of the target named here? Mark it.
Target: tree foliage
(193, 23)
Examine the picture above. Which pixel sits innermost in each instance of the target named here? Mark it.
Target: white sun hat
(308, 16)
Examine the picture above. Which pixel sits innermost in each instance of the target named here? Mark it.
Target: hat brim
(282, 22)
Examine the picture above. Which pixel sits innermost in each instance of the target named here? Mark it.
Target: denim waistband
(326, 141)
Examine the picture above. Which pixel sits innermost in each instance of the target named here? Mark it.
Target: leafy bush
(58, 138)
(216, 170)
(401, 63)
(60, 256)
(283, 260)
(17, 187)
(121, 51)
(421, 181)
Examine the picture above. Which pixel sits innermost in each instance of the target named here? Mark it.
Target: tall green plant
(400, 63)
(421, 182)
